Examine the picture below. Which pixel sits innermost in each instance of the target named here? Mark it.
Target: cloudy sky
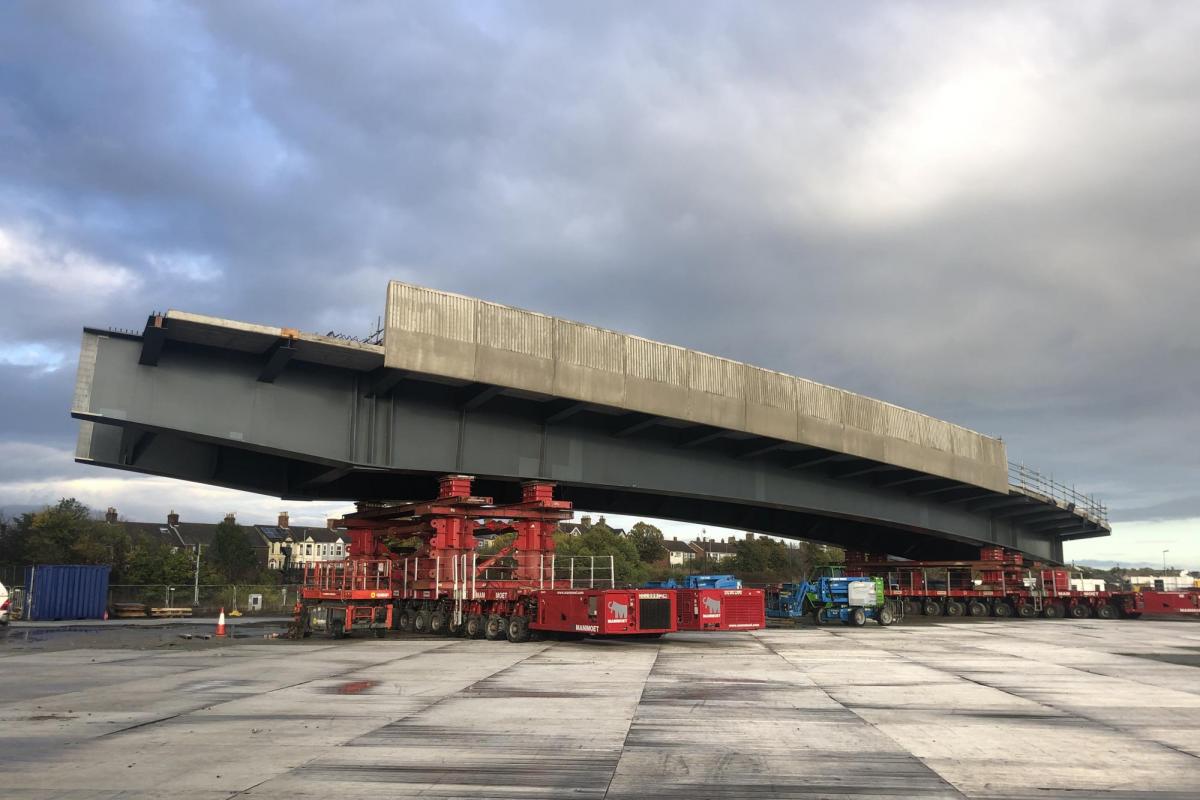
(989, 214)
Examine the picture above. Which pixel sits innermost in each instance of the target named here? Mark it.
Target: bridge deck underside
(205, 414)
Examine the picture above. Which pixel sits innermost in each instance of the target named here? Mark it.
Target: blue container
(66, 591)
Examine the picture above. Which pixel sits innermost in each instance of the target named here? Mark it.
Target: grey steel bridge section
(300, 416)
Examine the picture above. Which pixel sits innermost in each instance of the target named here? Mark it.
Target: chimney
(283, 519)
(172, 518)
(231, 518)
(110, 516)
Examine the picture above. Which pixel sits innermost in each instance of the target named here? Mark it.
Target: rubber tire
(1002, 610)
(496, 628)
(954, 608)
(884, 616)
(405, 623)
(912, 608)
(518, 629)
(380, 633)
(1053, 611)
(439, 622)
(1107, 611)
(421, 622)
(457, 630)
(818, 620)
(337, 630)
(1026, 611)
(976, 609)
(1080, 611)
(858, 617)
(473, 629)
(931, 608)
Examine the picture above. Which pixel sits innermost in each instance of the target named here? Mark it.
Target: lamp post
(196, 584)
(1165, 561)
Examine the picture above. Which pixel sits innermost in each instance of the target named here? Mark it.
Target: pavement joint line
(359, 667)
(632, 720)
(544, 648)
(402, 717)
(949, 785)
(118, 680)
(242, 792)
(1125, 732)
(202, 706)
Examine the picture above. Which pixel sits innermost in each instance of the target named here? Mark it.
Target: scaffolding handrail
(1030, 481)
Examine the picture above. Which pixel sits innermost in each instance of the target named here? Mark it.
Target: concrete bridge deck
(623, 424)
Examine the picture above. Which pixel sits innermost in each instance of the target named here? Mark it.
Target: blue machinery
(698, 582)
(851, 601)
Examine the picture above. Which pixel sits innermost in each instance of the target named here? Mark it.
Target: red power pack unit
(1185, 602)
(602, 612)
(721, 609)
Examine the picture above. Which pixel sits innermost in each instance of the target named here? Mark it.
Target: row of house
(680, 553)
(278, 546)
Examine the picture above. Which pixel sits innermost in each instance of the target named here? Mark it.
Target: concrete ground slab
(1003, 710)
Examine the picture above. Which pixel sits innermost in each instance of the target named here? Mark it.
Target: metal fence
(265, 599)
(11, 575)
(1030, 481)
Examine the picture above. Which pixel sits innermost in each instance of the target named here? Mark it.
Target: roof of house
(717, 547)
(301, 533)
(189, 534)
(184, 534)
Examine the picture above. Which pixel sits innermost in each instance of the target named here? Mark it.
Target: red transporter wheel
(954, 608)
(1080, 611)
(1026, 611)
(1053, 611)
(518, 629)
(975, 608)
(1002, 609)
(496, 628)
(407, 620)
(1107, 611)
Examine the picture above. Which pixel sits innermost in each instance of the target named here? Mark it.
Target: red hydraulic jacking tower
(416, 567)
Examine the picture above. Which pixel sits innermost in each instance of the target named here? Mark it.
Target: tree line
(640, 554)
(69, 533)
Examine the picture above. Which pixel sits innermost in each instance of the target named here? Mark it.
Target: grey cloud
(985, 215)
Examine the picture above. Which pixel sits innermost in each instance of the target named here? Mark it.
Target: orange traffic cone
(221, 623)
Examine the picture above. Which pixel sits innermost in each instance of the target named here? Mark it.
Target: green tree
(232, 554)
(649, 541)
(154, 563)
(768, 560)
(66, 533)
(600, 540)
